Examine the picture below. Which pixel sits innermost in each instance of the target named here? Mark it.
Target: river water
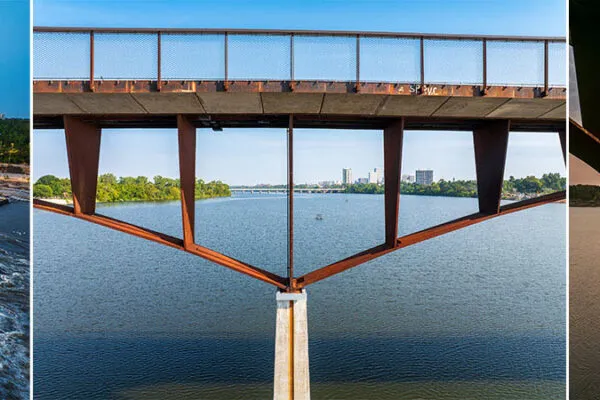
(478, 313)
(584, 307)
(14, 301)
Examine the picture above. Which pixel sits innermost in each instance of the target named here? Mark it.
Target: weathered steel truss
(490, 143)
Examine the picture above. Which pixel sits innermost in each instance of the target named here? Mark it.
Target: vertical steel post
(490, 141)
(226, 81)
(292, 57)
(357, 63)
(186, 133)
(392, 163)
(83, 152)
(158, 70)
(290, 170)
(545, 67)
(484, 88)
(92, 85)
(422, 90)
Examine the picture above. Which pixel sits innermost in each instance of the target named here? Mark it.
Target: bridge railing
(89, 54)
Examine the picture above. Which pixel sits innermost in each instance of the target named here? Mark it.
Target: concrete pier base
(292, 378)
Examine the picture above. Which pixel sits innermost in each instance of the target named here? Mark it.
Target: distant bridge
(285, 190)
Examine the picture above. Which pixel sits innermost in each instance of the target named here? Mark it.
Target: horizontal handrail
(373, 34)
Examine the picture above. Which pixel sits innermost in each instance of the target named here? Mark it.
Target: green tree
(42, 191)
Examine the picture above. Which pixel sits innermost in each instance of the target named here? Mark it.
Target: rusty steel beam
(167, 240)
(584, 145)
(490, 141)
(392, 163)
(300, 121)
(83, 151)
(301, 86)
(562, 136)
(299, 33)
(186, 133)
(414, 238)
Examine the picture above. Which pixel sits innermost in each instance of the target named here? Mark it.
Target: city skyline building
(347, 176)
(424, 176)
(408, 178)
(372, 177)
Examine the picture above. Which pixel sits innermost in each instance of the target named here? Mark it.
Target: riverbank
(14, 183)
(583, 203)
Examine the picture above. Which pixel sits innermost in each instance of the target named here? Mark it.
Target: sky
(14, 58)
(253, 156)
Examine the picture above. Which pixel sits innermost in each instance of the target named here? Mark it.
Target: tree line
(584, 196)
(112, 189)
(468, 188)
(14, 141)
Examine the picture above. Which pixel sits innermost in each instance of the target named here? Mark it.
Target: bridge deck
(254, 103)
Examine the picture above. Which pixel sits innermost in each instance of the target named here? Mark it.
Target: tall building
(362, 180)
(424, 177)
(347, 176)
(379, 172)
(372, 177)
(408, 178)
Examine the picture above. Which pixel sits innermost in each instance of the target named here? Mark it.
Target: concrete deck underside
(356, 104)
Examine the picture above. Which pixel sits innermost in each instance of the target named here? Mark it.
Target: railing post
(422, 89)
(226, 81)
(292, 83)
(484, 87)
(545, 93)
(92, 86)
(357, 88)
(158, 70)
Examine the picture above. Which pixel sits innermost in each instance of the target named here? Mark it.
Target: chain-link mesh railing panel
(192, 56)
(390, 60)
(122, 56)
(515, 63)
(61, 56)
(325, 58)
(557, 64)
(260, 57)
(453, 61)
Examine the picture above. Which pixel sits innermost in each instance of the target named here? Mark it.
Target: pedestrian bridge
(88, 79)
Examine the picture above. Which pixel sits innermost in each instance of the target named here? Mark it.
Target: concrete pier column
(292, 378)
